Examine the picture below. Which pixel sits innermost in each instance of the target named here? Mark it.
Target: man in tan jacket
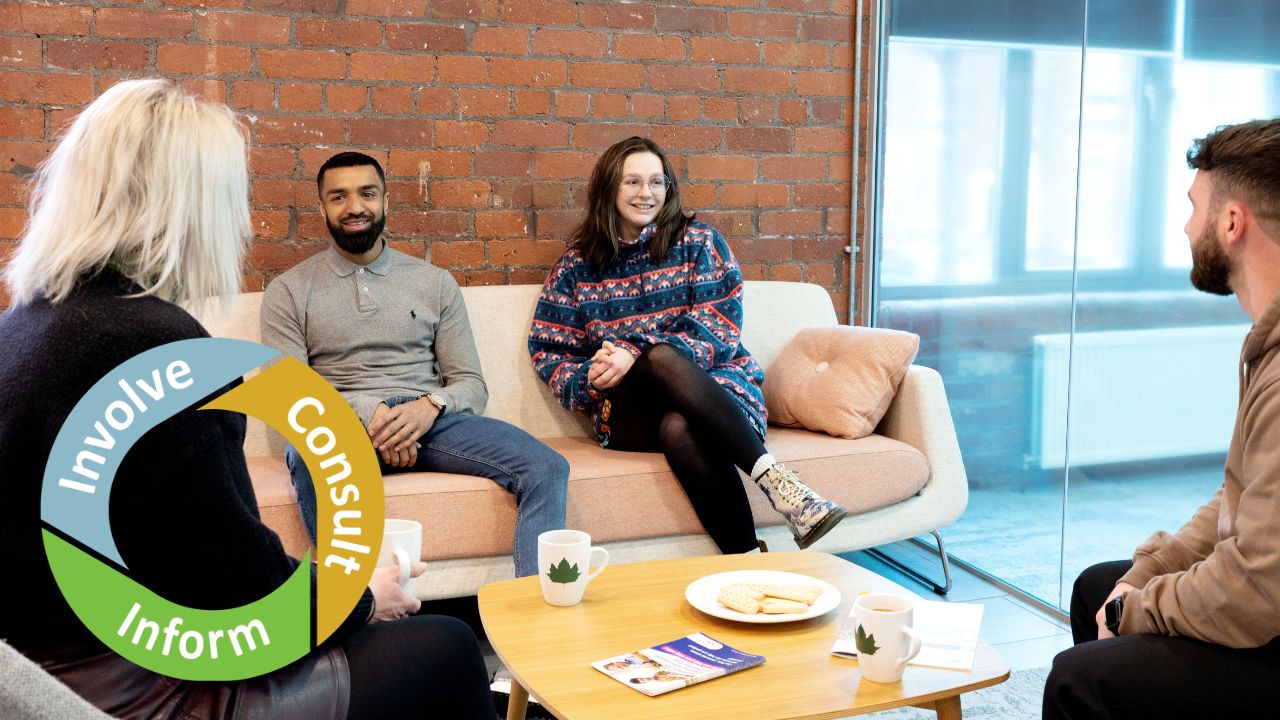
(1188, 628)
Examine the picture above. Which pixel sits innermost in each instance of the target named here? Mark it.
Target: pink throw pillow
(838, 380)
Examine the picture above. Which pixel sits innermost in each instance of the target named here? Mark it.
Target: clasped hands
(395, 431)
(609, 365)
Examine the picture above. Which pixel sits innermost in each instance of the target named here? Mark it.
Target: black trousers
(424, 666)
(1153, 676)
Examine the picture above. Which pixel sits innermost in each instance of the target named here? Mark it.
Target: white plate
(702, 592)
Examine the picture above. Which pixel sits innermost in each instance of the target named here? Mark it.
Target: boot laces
(789, 486)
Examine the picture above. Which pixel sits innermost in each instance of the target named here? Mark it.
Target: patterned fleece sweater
(691, 301)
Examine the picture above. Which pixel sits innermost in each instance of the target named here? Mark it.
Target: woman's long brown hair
(597, 237)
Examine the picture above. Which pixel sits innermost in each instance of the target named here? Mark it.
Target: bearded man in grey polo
(390, 332)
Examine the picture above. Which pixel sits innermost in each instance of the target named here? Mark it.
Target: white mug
(402, 546)
(884, 637)
(564, 559)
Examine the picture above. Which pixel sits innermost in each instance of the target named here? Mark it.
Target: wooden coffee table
(632, 606)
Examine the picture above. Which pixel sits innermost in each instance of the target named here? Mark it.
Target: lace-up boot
(808, 513)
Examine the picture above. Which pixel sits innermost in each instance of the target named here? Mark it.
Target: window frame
(1145, 268)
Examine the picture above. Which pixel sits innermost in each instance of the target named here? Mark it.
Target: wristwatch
(436, 399)
(1115, 610)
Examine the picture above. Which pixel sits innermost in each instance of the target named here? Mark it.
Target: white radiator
(1135, 394)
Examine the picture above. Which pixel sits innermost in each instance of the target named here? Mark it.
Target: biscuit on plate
(735, 600)
(778, 606)
(798, 593)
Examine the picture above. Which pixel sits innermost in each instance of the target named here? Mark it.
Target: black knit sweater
(183, 512)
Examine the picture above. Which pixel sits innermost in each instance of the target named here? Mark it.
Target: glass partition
(1031, 204)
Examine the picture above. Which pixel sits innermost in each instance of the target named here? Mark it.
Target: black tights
(667, 402)
(425, 666)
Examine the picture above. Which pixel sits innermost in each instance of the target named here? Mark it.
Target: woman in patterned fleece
(639, 324)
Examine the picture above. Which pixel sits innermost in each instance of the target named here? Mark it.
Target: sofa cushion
(838, 380)
(277, 504)
(613, 495)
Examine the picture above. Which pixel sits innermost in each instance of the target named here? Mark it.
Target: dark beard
(1210, 266)
(357, 243)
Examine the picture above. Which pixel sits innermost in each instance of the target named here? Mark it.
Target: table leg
(947, 708)
(518, 703)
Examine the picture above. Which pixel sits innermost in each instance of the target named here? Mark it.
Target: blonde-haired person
(639, 324)
(142, 205)
(149, 179)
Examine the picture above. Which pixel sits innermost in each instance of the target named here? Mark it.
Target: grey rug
(29, 693)
(1017, 698)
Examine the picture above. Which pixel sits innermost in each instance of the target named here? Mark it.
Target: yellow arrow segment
(314, 418)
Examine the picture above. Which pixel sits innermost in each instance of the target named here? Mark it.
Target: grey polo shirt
(396, 326)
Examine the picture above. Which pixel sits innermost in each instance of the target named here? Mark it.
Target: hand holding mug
(390, 600)
(402, 549)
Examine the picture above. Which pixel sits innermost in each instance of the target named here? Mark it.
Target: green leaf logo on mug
(190, 643)
(866, 643)
(563, 572)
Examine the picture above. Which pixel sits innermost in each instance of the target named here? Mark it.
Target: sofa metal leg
(942, 553)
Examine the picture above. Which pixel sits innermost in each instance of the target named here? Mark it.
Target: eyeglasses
(658, 184)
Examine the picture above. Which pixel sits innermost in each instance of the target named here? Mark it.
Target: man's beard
(357, 243)
(1210, 266)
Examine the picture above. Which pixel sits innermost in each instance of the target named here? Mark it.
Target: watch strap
(1115, 611)
(440, 401)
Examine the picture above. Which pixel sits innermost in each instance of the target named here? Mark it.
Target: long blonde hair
(148, 179)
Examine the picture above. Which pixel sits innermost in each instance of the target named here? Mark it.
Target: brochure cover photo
(676, 664)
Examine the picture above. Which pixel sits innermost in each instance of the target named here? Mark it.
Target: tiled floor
(1018, 533)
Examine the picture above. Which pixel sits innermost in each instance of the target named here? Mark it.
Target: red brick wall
(487, 114)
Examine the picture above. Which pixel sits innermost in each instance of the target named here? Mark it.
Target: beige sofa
(905, 480)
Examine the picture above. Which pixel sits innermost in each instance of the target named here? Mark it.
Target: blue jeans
(475, 445)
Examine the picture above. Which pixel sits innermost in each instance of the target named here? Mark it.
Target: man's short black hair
(349, 159)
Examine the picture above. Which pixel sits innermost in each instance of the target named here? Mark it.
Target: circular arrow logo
(190, 643)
